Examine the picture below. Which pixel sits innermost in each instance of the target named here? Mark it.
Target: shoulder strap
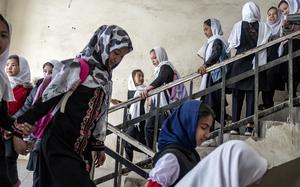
(84, 72)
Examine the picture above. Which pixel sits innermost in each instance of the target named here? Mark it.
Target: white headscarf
(5, 88)
(134, 109)
(276, 26)
(294, 6)
(206, 50)
(233, 164)
(23, 76)
(162, 58)
(251, 13)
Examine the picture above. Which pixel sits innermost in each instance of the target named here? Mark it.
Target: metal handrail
(209, 69)
(118, 155)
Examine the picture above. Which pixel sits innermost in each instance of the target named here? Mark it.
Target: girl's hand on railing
(115, 101)
(202, 70)
(145, 94)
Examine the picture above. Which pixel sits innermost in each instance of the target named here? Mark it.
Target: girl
(135, 87)
(35, 94)
(232, 164)
(272, 79)
(5, 95)
(187, 127)
(18, 72)
(291, 7)
(214, 51)
(81, 105)
(164, 73)
(245, 35)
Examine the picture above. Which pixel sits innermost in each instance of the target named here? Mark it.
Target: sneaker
(248, 131)
(234, 132)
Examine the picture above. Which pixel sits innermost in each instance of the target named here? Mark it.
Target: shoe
(234, 132)
(248, 131)
(261, 107)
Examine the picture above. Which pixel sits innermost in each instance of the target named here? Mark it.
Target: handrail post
(120, 150)
(291, 89)
(223, 98)
(191, 88)
(256, 94)
(156, 121)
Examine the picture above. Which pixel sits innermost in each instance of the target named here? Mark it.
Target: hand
(7, 135)
(99, 158)
(202, 70)
(115, 101)
(20, 146)
(144, 94)
(25, 128)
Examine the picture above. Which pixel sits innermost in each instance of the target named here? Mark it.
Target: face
(4, 37)
(47, 70)
(116, 56)
(272, 15)
(138, 78)
(154, 59)
(12, 67)
(202, 132)
(207, 31)
(284, 7)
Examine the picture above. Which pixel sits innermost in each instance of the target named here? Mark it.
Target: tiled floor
(26, 176)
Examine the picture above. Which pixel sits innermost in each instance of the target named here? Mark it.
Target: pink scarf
(43, 122)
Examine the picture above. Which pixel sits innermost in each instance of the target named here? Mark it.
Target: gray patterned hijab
(96, 54)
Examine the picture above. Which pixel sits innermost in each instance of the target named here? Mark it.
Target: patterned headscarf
(96, 54)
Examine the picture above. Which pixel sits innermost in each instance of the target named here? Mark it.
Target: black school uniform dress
(165, 76)
(214, 99)
(66, 143)
(245, 87)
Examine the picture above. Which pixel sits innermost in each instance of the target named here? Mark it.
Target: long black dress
(248, 40)
(65, 154)
(214, 99)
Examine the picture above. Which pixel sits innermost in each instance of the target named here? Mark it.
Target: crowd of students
(62, 118)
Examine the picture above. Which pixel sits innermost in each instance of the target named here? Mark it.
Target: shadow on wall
(286, 175)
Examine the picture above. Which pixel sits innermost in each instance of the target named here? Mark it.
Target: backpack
(178, 92)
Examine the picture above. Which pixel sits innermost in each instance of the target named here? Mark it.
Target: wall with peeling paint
(56, 29)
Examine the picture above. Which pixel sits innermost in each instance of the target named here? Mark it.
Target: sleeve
(38, 110)
(6, 122)
(153, 184)
(28, 103)
(166, 170)
(215, 54)
(20, 96)
(164, 74)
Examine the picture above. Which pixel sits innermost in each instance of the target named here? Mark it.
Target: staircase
(283, 111)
